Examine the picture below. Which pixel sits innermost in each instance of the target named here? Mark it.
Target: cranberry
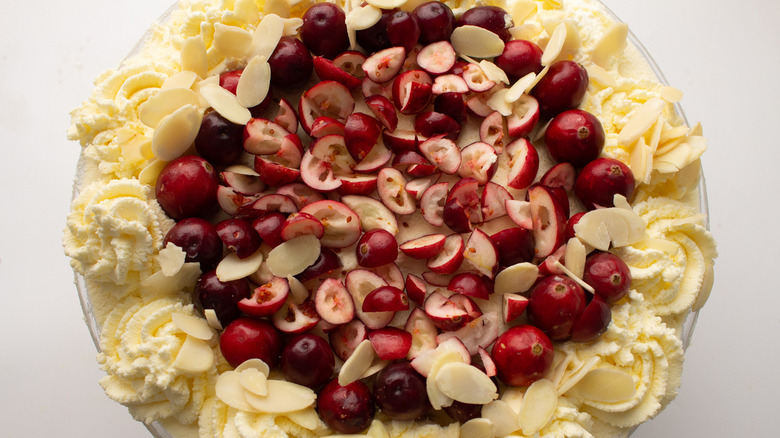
(600, 180)
(593, 322)
(523, 354)
(229, 80)
(247, 338)
(199, 240)
(554, 304)
(514, 245)
(562, 88)
(308, 360)
(222, 297)
(346, 409)
(452, 104)
(186, 187)
(219, 140)
(575, 136)
(269, 227)
(609, 275)
(400, 392)
(470, 284)
(436, 22)
(239, 236)
(327, 262)
(569, 233)
(324, 30)
(491, 18)
(519, 58)
(376, 248)
(431, 123)
(463, 412)
(291, 63)
(375, 38)
(403, 30)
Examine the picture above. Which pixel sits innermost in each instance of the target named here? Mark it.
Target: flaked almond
(283, 397)
(498, 102)
(357, 364)
(518, 88)
(478, 428)
(277, 7)
(602, 227)
(641, 121)
(225, 103)
(601, 76)
(606, 385)
(566, 271)
(386, 4)
(176, 133)
(377, 430)
(493, 72)
(194, 57)
(503, 417)
(231, 41)
(164, 103)
(539, 404)
(465, 383)
(306, 418)
(233, 268)
(555, 44)
(293, 256)
(254, 381)
(516, 278)
(513, 397)
(182, 79)
(574, 257)
(171, 259)
(266, 36)
(521, 10)
(610, 45)
(291, 26)
(681, 156)
(195, 356)
(671, 94)
(242, 170)
(297, 290)
(363, 17)
(526, 31)
(159, 283)
(567, 379)
(230, 391)
(212, 319)
(193, 326)
(254, 83)
(640, 161)
(255, 363)
(437, 398)
(706, 286)
(476, 41)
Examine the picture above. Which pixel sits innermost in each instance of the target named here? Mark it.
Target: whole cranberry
(562, 88)
(219, 140)
(346, 409)
(199, 240)
(554, 304)
(573, 220)
(463, 412)
(229, 81)
(593, 322)
(187, 187)
(247, 338)
(491, 18)
(400, 392)
(609, 275)
(600, 180)
(324, 30)
(575, 136)
(239, 236)
(375, 38)
(519, 58)
(436, 22)
(308, 360)
(523, 354)
(376, 248)
(222, 297)
(403, 30)
(291, 63)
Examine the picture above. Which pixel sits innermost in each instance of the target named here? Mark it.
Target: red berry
(562, 88)
(324, 30)
(222, 297)
(600, 180)
(400, 392)
(247, 338)
(523, 354)
(198, 238)
(291, 63)
(187, 187)
(376, 248)
(554, 304)
(308, 360)
(593, 322)
(346, 409)
(575, 136)
(491, 18)
(609, 275)
(436, 22)
(519, 58)
(239, 236)
(219, 140)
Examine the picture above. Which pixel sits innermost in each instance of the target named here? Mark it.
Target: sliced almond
(266, 36)
(478, 428)
(503, 417)
(375, 367)
(437, 398)
(283, 397)
(293, 256)
(230, 391)
(182, 79)
(158, 283)
(297, 289)
(257, 364)
(555, 44)
(516, 278)
(575, 257)
(598, 228)
(193, 326)
(606, 385)
(176, 133)
(465, 383)
(706, 287)
(291, 26)
(194, 57)
(601, 76)
(641, 121)
(231, 41)
(164, 103)
(568, 380)
(211, 318)
(254, 381)
(195, 356)
(476, 41)
(513, 397)
(386, 4)
(254, 83)
(610, 45)
(539, 404)
(536, 81)
(306, 418)
(233, 268)
(498, 102)
(640, 161)
(520, 87)
(377, 430)
(671, 94)
(526, 31)
(363, 17)
(521, 10)
(171, 259)
(277, 7)
(225, 103)
(573, 276)
(681, 156)
(493, 72)
(357, 364)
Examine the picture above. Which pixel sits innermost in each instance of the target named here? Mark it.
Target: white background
(723, 54)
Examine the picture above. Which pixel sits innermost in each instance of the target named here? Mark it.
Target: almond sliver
(554, 45)
(266, 36)
(195, 356)
(293, 256)
(606, 385)
(193, 326)
(254, 381)
(254, 83)
(194, 57)
(465, 383)
(176, 133)
(233, 268)
(610, 45)
(516, 278)
(282, 397)
(231, 41)
(164, 103)
(641, 121)
(357, 364)
(476, 41)
(539, 404)
(230, 391)
(225, 103)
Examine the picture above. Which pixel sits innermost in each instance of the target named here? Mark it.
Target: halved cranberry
(600, 180)
(269, 227)
(470, 284)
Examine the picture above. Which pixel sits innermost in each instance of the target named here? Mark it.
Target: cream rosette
(149, 359)
(568, 421)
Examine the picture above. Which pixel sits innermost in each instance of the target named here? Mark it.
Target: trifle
(389, 218)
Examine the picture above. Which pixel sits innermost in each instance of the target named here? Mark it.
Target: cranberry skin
(593, 322)
(403, 30)
(609, 275)
(199, 240)
(247, 338)
(291, 63)
(400, 392)
(514, 245)
(554, 304)
(376, 248)
(575, 136)
(375, 38)
(269, 227)
(523, 354)
(187, 187)
(463, 412)
(600, 180)
(436, 22)
(470, 284)
(239, 236)
(222, 297)
(324, 30)
(327, 262)
(519, 58)
(229, 80)
(491, 18)
(308, 360)
(562, 88)
(346, 409)
(219, 140)
(452, 104)
(573, 220)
